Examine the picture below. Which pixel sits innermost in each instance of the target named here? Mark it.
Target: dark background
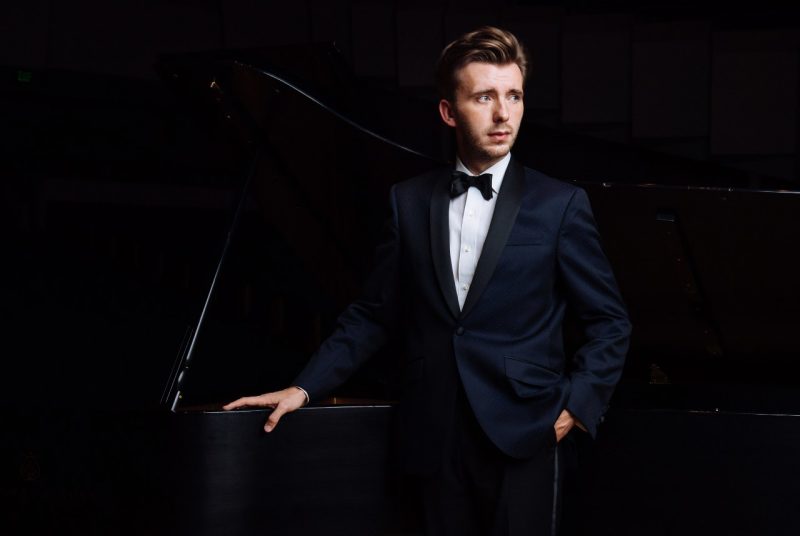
(117, 188)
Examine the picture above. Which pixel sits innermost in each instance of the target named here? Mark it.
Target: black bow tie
(462, 182)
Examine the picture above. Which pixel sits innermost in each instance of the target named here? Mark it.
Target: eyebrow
(493, 91)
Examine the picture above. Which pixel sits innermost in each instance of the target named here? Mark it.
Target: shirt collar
(497, 170)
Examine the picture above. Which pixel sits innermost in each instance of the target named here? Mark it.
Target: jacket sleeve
(592, 293)
(362, 328)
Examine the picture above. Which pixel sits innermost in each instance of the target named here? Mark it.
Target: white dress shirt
(470, 216)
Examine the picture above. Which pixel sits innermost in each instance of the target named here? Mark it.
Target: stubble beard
(477, 148)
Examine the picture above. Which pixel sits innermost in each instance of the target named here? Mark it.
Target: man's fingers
(563, 425)
(244, 402)
(239, 403)
(262, 401)
(274, 417)
(284, 402)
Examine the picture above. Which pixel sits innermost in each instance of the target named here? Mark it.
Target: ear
(447, 112)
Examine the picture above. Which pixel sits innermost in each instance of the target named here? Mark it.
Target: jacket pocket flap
(530, 373)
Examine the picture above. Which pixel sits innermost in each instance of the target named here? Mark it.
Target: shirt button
(466, 249)
(460, 330)
(466, 286)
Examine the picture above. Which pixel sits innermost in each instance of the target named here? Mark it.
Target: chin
(497, 151)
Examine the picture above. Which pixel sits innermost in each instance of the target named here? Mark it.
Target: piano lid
(309, 220)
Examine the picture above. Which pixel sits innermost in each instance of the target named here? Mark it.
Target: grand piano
(700, 438)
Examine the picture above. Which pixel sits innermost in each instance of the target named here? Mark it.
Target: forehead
(477, 76)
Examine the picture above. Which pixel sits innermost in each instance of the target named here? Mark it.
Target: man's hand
(282, 402)
(565, 423)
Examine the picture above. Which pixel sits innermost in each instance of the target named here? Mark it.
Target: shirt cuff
(308, 399)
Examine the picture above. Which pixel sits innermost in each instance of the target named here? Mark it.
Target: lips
(499, 136)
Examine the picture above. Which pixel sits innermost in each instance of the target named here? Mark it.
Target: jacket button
(460, 330)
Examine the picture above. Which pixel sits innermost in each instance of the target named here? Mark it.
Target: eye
(515, 97)
(483, 98)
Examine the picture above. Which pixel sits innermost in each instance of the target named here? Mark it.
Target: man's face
(486, 113)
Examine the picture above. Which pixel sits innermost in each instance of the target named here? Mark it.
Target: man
(477, 273)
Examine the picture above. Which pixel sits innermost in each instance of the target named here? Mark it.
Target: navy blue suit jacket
(541, 255)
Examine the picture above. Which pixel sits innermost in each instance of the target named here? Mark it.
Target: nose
(501, 111)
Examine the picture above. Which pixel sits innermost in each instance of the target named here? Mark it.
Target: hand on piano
(282, 402)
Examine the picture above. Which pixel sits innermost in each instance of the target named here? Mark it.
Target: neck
(478, 165)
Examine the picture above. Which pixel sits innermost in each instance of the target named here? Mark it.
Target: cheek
(480, 122)
(473, 122)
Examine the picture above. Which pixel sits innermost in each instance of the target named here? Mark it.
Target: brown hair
(487, 44)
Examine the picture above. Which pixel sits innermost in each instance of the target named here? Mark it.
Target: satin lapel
(505, 214)
(440, 242)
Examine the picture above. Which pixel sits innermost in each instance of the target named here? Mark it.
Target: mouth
(500, 135)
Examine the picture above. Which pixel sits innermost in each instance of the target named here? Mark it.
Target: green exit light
(24, 76)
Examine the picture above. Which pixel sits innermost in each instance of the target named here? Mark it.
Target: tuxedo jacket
(542, 255)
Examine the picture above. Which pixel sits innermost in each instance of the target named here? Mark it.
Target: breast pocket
(530, 238)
